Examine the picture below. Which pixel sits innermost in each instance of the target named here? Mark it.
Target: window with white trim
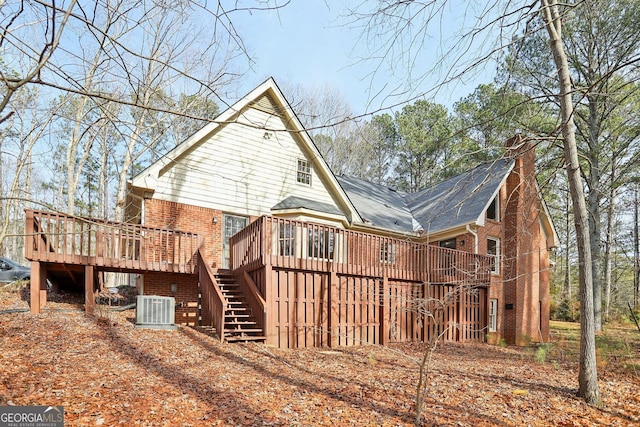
(304, 172)
(493, 250)
(388, 252)
(321, 243)
(286, 239)
(493, 315)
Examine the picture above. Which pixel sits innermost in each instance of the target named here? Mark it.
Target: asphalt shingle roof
(294, 202)
(457, 201)
(377, 204)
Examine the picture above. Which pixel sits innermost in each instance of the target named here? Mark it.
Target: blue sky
(306, 42)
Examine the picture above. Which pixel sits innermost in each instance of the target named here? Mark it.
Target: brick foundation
(186, 294)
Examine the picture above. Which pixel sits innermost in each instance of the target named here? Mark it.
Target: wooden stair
(239, 322)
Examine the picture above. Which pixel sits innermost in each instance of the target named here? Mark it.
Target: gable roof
(267, 98)
(460, 200)
(456, 202)
(452, 203)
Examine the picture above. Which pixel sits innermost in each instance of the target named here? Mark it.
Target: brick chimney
(526, 295)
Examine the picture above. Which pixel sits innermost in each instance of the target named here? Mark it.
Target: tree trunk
(588, 373)
(636, 247)
(567, 252)
(595, 196)
(607, 273)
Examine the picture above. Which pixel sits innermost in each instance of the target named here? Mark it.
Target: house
(289, 253)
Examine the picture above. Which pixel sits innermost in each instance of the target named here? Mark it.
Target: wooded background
(93, 92)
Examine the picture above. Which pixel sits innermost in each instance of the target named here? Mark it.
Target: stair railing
(214, 303)
(254, 299)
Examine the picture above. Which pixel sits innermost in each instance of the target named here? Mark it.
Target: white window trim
(497, 257)
(306, 172)
(325, 240)
(388, 252)
(493, 315)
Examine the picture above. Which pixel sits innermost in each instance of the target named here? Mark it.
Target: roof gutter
(366, 228)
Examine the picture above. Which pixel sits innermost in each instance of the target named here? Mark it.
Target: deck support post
(271, 326)
(385, 308)
(89, 289)
(38, 287)
(425, 318)
(334, 330)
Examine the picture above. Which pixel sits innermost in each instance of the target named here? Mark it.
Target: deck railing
(214, 305)
(60, 238)
(285, 243)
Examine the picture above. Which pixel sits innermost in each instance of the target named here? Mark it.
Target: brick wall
(522, 283)
(186, 294)
(178, 216)
(525, 254)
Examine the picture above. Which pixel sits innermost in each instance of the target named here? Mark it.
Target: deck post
(30, 235)
(38, 287)
(334, 321)
(89, 292)
(385, 299)
(271, 331)
(425, 319)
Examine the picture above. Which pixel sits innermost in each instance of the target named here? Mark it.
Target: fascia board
(316, 157)
(310, 213)
(546, 222)
(152, 172)
(448, 233)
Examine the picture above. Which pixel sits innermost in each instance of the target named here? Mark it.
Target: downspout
(475, 239)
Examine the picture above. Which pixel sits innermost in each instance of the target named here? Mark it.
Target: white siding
(241, 170)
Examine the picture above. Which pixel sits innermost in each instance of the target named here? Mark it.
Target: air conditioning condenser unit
(155, 312)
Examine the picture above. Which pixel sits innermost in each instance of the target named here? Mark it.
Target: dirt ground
(104, 371)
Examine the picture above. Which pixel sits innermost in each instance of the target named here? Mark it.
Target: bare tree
(18, 139)
(402, 30)
(588, 374)
(140, 55)
(50, 22)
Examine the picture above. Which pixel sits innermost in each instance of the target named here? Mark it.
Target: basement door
(232, 224)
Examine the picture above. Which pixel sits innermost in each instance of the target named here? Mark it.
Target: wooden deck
(306, 284)
(316, 285)
(64, 241)
(296, 245)
(113, 246)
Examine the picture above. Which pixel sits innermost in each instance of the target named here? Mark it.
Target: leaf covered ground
(104, 371)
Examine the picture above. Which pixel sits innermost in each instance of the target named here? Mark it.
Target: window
(287, 240)
(321, 243)
(447, 260)
(388, 252)
(493, 211)
(493, 315)
(493, 250)
(449, 243)
(232, 224)
(304, 172)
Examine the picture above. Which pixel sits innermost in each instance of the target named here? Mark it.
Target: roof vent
(155, 312)
(268, 105)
